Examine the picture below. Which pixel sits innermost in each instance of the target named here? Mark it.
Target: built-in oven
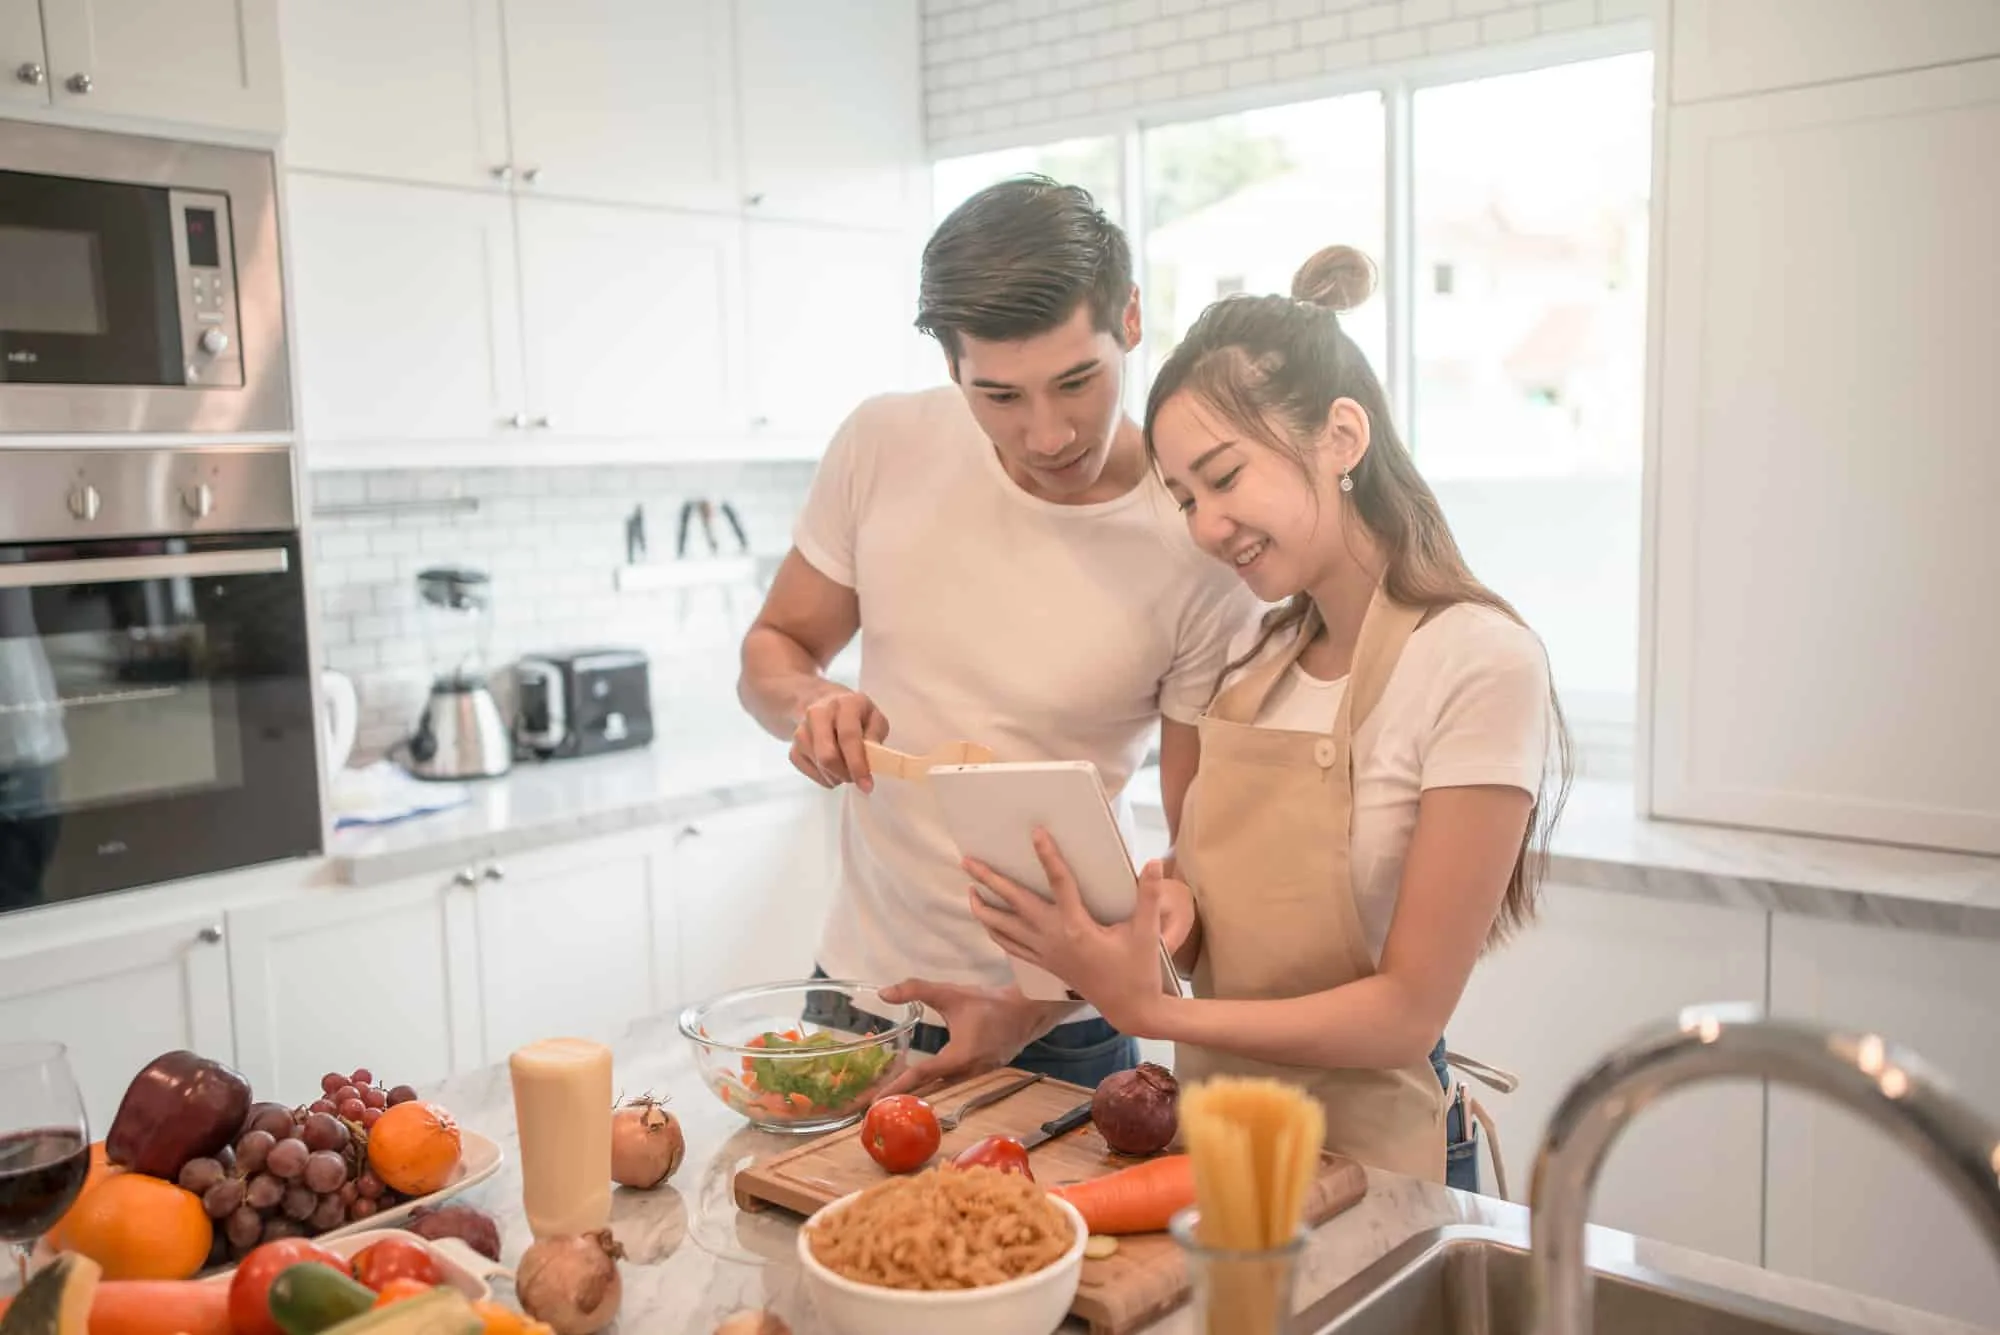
(156, 710)
(140, 286)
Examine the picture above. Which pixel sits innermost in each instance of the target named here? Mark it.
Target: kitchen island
(693, 1258)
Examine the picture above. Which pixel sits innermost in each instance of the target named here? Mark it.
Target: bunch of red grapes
(296, 1172)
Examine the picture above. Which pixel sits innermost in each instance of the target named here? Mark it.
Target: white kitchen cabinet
(566, 941)
(627, 101)
(631, 320)
(831, 109)
(1824, 560)
(116, 1002)
(1846, 1205)
(24, 60)
(408, 315)
(828, 323)
(1723, 48)
(384, 88)
(198, 62)
(1596, 969)
(754, 885)
(385, 977)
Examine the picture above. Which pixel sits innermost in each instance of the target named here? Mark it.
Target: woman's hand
(1116, 969)
(988, 1028)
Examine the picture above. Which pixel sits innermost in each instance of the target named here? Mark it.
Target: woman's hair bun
(1338, 278)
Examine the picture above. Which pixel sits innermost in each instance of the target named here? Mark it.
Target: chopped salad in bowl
(800, 1057)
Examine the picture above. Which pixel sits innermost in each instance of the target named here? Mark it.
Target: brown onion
(1135, 1110)
(754, 1321)
(571, 1283)
(646, 1143)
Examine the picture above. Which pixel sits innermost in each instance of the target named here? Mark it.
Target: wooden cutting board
(1143, 1280)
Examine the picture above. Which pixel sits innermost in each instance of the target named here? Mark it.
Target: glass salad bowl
(800, 1057)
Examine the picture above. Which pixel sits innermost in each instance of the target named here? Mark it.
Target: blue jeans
(1461, 1148)
(1082, 1052)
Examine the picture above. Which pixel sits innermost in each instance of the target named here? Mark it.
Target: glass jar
(1237, 1292)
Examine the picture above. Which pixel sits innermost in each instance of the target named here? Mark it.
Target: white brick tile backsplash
(1278, 37)
(1299, 64)
(1618, 11)
(1052, 81)
(1391, 47)
(1159, 88)
(1249, 73)
(1420, 13)
(1183, 57)
(1032, 9)
(1055, 28)
(1132, 13)
(1201, 81)
(1299, 9)
(1375, 18)
(1349, 55)
(1182, 6)
(1227, 49)
(1514, 26)
(1116, 97)
(1247, 14)
(1320, 31)
(1160, 32)
(1207, 23)
(1117, 42)
(1562, 15)
(1454, 36)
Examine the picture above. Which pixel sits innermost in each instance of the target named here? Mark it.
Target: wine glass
(44, 1143)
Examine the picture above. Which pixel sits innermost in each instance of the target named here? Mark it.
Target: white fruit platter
(464, 1269)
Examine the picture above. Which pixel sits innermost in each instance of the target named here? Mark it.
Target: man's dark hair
(1017, 259)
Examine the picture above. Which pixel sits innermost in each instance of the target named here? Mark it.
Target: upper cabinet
(1724, 48)
(195, 62)
(1823, 553)
(24, 60)
(624, 101)
(830, 100)
(403, 92)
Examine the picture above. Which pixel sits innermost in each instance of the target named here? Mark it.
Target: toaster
(583, 703)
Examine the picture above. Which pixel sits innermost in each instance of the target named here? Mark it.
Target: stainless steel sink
(1472, 1281)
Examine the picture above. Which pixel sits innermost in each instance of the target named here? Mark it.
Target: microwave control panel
(205, 276)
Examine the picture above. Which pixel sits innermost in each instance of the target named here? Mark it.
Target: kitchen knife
(1058, 1126)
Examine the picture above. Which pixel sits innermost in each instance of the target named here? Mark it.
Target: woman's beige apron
(1265, 841)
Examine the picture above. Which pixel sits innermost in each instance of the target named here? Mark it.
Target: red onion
(1135, 1110)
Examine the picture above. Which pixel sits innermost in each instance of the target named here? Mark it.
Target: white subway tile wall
(551, 540)
(1022, 67)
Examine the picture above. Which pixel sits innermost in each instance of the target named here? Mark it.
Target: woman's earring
(1347, 482)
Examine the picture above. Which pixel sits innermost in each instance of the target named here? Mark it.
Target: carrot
(1139, 1199)
(156, 1307)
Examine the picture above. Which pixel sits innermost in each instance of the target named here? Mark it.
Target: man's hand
(1177, 912)
(989, 1027)
(827, 744)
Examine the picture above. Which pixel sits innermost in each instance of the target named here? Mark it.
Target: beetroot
(1135, 1110)
(180, 1107)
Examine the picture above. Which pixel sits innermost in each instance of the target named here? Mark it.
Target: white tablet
(992, 812)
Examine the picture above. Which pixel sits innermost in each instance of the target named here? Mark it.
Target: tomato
(1002, 1152)
(396, 1290)
(397, 1258)
(250, 1286)
(900, 1132)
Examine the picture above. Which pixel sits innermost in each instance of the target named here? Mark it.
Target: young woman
(1371, 788)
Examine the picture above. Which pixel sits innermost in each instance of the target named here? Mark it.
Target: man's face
(1051, 403)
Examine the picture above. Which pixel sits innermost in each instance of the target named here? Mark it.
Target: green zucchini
(312, 1296)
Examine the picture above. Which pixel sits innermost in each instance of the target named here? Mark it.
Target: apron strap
(1243, 699)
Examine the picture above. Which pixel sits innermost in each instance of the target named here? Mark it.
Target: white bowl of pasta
(968, 1251)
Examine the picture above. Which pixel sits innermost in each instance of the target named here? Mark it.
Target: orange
(413, 1147)
(138, 1227)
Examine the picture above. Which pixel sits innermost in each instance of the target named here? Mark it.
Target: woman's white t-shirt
(1467, 704)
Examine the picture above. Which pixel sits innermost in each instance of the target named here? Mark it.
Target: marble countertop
(694, 1259)
(719, 758)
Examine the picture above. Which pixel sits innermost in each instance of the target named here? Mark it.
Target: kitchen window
(1508, 215)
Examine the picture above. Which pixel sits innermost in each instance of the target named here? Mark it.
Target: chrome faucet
(1886, 1084)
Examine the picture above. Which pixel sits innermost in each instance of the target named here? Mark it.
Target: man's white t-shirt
(1467, 704)
(1045, 631)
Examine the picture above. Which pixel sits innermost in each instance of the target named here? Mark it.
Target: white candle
(562, 1104)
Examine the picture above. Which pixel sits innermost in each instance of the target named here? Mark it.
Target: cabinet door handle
(31, 73)
(504, 172)
(210, 935)
(80, 83)
(540, 423)
(754, 200)
(495, 872)
(687, 832)
(519, 421)
(532, 175)
(465, 876)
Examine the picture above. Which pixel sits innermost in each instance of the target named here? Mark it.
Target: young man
(1018, 580)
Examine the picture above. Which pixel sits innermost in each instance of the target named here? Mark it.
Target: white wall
(1018, 70)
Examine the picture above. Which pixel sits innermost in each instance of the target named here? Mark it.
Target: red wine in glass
(44, 1143)
(41, 1175)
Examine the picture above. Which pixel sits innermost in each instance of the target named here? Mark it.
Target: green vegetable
(442, 1311)
(312, 1296)
(827, 1081)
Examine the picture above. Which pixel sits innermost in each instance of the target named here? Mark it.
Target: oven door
(156, 715)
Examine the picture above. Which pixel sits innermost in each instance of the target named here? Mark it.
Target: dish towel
(382, 793)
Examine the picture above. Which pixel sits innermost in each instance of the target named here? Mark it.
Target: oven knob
(84, 502)
(214, 342)
(199, 500)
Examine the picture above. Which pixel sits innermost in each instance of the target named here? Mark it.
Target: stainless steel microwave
(140, 286)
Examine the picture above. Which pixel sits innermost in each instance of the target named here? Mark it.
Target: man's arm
(807, 619)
